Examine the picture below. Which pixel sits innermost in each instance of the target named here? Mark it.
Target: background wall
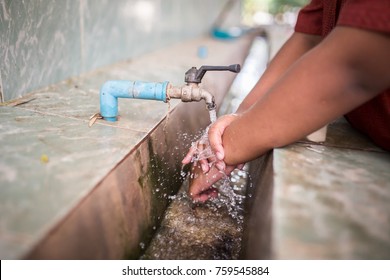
(46, 41)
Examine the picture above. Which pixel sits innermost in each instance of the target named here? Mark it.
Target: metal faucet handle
(194, 75)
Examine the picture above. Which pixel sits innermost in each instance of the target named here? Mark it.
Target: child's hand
(201, 184)
(200, 150)
(215, 138)
(201, 154)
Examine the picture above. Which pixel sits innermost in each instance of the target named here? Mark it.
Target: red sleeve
(310, 18)
(366, 14)
(373, 117)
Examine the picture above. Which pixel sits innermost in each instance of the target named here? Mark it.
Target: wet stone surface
(212, 230)
(333, 203)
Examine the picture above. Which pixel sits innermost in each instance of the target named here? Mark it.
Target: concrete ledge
(331, 201)
(321, 201)
(73, 192)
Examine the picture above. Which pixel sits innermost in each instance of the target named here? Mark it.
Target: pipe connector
(191, 92)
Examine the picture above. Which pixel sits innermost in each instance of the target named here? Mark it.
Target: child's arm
(297, 45)
(345, 70)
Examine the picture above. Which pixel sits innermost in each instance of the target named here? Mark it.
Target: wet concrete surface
(211, 231)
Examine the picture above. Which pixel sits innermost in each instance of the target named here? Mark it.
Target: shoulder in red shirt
(319, 17)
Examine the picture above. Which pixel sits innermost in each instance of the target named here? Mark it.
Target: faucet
(162, 91)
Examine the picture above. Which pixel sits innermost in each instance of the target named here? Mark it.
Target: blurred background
(258, 12)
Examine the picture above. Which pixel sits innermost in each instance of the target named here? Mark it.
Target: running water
(205, 152)
(213, 115)
(212, 230)
(227, 195)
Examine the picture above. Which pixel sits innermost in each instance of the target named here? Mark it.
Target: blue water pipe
(112, 90)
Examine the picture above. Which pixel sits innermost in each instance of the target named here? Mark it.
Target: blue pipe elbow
(112, 90)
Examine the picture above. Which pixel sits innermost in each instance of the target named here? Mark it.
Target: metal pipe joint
(191, 92)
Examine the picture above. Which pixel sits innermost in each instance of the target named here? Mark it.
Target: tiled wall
(46, 41)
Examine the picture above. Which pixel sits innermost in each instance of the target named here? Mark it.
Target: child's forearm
(297, 45)
(346, 70)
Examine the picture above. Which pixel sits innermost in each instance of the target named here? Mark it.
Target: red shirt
(319, 18)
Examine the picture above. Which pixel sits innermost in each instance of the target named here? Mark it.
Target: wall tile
(43, 42)
(39, 44)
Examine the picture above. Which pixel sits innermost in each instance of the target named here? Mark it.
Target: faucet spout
(191, 92)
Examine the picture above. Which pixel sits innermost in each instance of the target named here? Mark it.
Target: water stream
(213, 115)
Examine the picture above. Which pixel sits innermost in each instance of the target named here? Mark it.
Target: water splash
(230, 185)
(212, 230)
(202, 148)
